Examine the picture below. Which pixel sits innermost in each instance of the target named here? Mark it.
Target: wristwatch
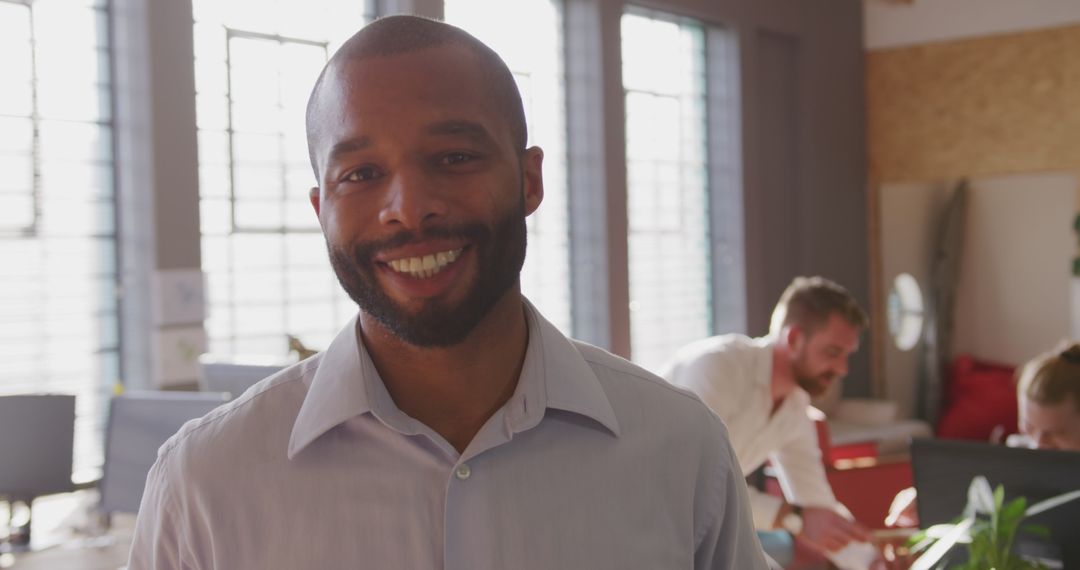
(792, 522)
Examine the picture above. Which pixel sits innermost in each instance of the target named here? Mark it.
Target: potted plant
(989, 527)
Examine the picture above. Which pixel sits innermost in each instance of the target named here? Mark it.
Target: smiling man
(762, 387)
(449, 425)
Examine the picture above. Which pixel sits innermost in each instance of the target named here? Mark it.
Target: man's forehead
(448, 61)
(436, 78)
(434, 91)
(836, 329)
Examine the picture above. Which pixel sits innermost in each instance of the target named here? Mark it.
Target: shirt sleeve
(728, 540)
(800, 470)
(157, 543)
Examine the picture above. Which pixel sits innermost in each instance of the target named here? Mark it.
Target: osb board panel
(995, 105)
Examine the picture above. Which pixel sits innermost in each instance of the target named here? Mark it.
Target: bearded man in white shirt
(761, 388)
(449, 425)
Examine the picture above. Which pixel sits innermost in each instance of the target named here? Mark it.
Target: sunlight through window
(58, 298)
(263, 253)
(527, 35)
(667, 200)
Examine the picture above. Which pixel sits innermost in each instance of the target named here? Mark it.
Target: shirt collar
(338, 389)
(553, 375)
(554, 365)
(765, 346)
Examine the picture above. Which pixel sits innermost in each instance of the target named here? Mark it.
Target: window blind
(58, 295)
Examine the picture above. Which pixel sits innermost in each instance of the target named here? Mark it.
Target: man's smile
(422, 267)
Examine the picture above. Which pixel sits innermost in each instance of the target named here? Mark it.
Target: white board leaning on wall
(1014, 297)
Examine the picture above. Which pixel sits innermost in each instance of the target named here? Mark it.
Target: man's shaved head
(396, 35)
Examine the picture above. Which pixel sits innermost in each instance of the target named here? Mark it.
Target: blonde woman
(1048, 396)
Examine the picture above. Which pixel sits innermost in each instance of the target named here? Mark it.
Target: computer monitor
(943, 470)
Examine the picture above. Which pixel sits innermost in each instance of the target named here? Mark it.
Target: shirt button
(463, 472)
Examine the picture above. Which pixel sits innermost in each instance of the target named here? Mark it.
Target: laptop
(943, 470)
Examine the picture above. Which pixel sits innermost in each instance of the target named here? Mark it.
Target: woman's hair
(1052, 377)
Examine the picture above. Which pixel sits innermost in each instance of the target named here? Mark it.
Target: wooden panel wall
(995, 105)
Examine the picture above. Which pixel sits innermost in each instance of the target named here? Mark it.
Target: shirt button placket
(463, 472)
(460, 546)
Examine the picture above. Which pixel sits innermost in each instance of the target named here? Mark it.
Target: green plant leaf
(980, 497)
(1041, 531)
(1052, 502)
(942, 546)
(916, 538)
(940, 530)
(980, 551)
(1011, 515)
(989, 526)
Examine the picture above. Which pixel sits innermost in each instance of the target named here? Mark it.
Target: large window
(528, 36)
(262, 250)
(58, 294)
(664, 77)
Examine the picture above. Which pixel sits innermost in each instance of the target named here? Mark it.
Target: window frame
(30, 230)
(230, 35)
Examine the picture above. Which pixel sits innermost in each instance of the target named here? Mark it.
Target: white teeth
(425, 266)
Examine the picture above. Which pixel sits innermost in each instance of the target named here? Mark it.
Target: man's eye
(453, 158)
(362, 174)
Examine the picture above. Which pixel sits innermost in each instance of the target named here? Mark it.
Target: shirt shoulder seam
(219, 416)
(645, 378)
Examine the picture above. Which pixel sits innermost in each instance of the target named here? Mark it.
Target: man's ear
(793, 335)
(313, 196)
(532, 172)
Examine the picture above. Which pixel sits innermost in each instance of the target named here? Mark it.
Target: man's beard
(500, 253)
(815, 384)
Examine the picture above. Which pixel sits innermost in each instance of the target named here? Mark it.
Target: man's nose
(411, 201)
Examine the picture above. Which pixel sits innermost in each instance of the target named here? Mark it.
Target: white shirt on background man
(732, 373)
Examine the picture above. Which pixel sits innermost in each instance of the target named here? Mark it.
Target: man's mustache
(475, 232)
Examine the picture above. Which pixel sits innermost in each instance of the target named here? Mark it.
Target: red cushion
(980, 396)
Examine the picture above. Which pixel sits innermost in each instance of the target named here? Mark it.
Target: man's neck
(782, 382)
(454, 390)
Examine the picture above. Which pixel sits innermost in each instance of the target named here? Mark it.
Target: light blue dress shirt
(592, 464)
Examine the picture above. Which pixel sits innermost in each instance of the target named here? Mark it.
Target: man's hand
(826, 531)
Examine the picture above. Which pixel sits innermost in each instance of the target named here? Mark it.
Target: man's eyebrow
(469, 129)
(348, 145)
